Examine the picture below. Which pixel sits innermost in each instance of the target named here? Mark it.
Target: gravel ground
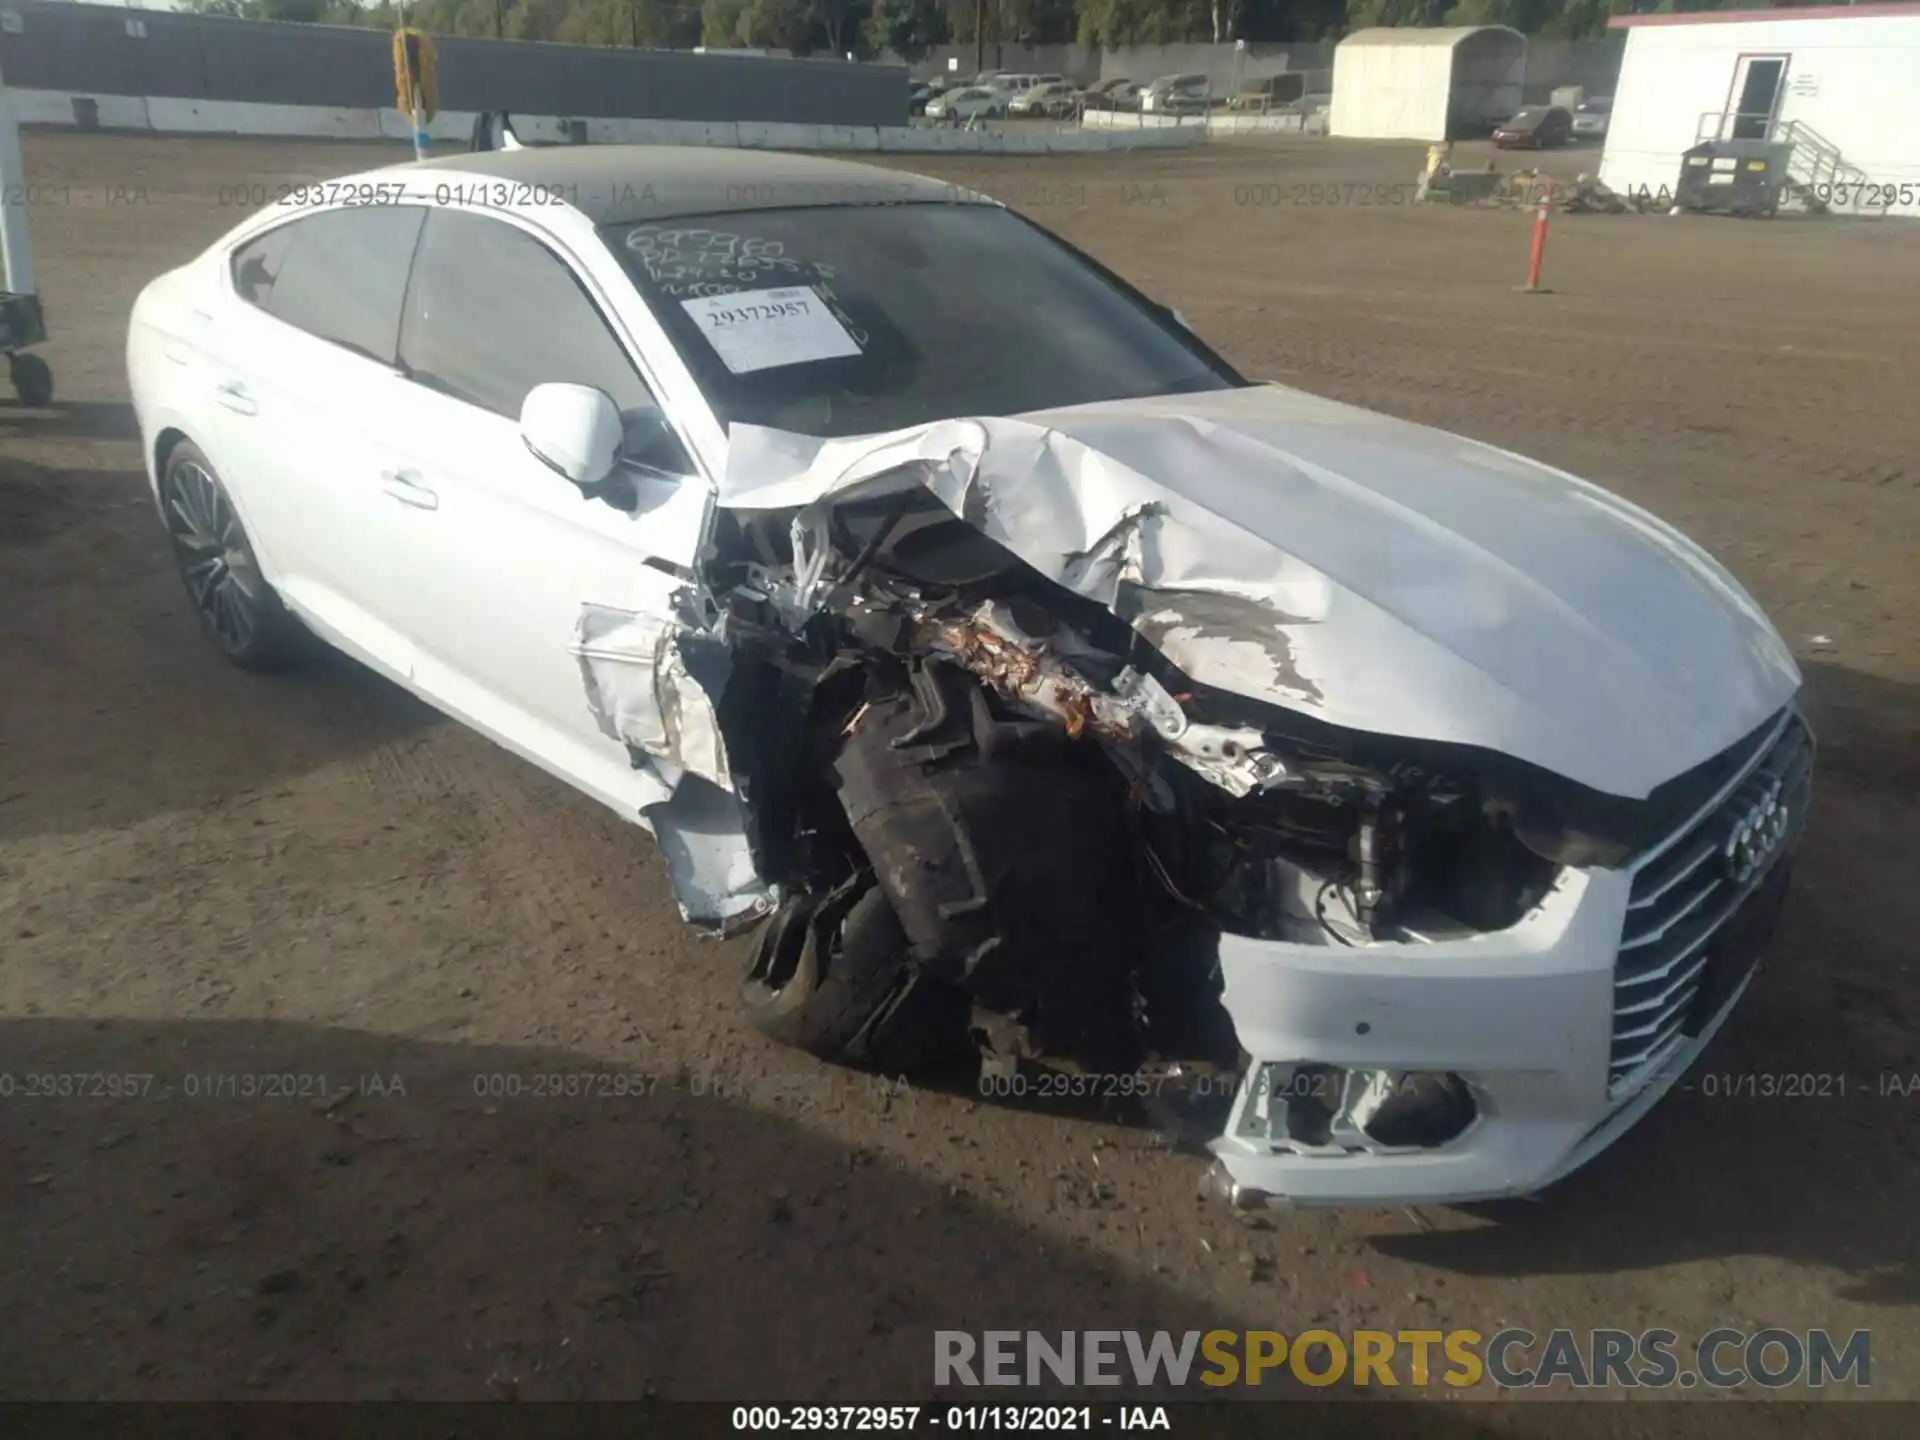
(206, 874)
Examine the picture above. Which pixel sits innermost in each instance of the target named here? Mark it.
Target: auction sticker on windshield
(760, 329)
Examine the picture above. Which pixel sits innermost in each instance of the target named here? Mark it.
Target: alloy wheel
(223, 579)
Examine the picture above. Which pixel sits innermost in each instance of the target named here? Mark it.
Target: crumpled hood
(1376, 574)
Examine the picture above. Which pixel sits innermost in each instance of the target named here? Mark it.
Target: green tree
(1108, 23)
(755, 24)
(907, 28)
(1361, 14)
(297, 12)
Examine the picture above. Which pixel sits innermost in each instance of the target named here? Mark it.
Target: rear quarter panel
(162, 356)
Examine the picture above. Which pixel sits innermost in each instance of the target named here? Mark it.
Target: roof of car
(626, 184)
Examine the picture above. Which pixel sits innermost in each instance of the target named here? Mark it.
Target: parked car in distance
(974, 102)
(1191, 100)
(1015, 84)
(1116, 94)
(917, 98)
(1590, 118)
(1056, 99)
(1312, 110)
(1536, 127)
(1176, 95)
(1271, 92)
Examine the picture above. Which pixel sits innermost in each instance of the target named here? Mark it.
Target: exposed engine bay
(1236, 735)
(1057, 819)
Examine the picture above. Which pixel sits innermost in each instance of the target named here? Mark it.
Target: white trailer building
(1840, 85)
(1424, 84)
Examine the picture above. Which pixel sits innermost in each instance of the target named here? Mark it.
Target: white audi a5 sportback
(1049, 695)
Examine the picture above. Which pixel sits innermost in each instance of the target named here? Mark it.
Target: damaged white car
(1041, 687)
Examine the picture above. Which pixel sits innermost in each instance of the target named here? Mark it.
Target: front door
(504, 553)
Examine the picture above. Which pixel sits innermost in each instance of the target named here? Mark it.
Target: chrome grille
(1687, 890)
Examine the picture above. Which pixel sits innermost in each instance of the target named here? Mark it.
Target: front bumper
(1565, 1029)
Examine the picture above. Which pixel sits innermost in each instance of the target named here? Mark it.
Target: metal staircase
(1819, 177)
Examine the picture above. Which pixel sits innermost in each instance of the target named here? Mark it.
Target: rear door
(504, 556)
(302, 358)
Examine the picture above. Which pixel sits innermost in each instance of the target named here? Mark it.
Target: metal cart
(22, 322)
(1734, 177)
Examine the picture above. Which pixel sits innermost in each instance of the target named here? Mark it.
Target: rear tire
(32, 379)
(236, 607)
(833, 976)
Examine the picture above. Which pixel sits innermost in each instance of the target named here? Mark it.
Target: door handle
(405, 486)
(234, 396)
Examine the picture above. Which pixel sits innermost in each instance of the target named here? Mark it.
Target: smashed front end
(1408, 967)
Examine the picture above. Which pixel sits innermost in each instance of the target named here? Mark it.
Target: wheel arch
(164, 444)
(169, 437)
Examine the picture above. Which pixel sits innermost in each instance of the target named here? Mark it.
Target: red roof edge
(1748, 17)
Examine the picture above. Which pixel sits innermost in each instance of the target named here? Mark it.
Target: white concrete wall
(1120, 121)
(1854, 80)
(222, 117)
(1219, 122)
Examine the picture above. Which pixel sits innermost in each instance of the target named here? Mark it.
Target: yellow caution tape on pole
(414, 72)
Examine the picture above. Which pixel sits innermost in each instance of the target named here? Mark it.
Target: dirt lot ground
(205, 874)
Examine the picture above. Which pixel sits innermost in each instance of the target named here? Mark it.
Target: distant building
(1406, 83)
(1840, 85)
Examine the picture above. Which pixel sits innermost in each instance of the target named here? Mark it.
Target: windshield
(846, 320)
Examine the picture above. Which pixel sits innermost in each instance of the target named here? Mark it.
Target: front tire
(237, 608)
(833, 976)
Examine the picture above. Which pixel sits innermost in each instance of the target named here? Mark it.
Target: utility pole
(979, 36)
(499, 19)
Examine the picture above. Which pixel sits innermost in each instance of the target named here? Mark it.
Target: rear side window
(256, 264)
(492, 313)
(339, 275)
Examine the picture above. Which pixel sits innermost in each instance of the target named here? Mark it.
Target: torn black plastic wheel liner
(1001, 851)
(833, 976)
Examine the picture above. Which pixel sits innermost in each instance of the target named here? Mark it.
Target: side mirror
(574, 430)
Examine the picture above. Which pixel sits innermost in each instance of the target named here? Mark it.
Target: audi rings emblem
(1758, 836)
